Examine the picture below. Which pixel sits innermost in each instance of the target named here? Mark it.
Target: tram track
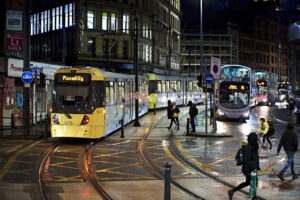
(41, 170)
(86, 164)
(179, 156)
(152, 167)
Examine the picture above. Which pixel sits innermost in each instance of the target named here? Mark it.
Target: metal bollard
(187, 126)
(122, 129)
(168, 181)
(154, 109)
(46, 127)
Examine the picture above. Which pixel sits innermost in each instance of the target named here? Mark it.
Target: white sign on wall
(14, 20)
(215, 67)
(15, 68)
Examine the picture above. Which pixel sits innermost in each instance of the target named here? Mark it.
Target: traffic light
(42, 79)
(200, 80)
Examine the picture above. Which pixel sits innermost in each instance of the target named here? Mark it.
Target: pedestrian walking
(289, 141)
(193, 112)
(176, 114)
(170, 113)
(250, 163)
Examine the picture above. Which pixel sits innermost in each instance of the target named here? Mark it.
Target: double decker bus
(234, 92)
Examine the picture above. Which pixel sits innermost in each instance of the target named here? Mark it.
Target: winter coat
(289, 141)
(176, 112)
(170, 111)
(193, 111)
(250, 160)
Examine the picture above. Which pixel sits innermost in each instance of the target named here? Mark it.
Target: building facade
(294, 55)
(223, 46)
(101, 33)
(260, 50)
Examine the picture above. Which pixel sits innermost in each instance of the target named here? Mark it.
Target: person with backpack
(176, 114)
(170, 113)
(193, 112)
(289, 141)
(264, 130)
(248, 157)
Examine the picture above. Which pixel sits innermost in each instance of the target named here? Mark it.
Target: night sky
(217, 12)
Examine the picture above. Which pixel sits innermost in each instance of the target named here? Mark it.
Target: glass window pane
(90, 19)
(104, 21)
(57, 18)
(66, 15)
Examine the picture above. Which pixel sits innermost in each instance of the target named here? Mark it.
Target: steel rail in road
(88, 172)
(152, 167)
(46, 156)
(178, 155)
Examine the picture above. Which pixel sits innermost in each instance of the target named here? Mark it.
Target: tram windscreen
(234, 95)
(71, 93)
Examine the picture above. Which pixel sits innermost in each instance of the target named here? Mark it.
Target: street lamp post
(26, 57)
(201, 39)
(136, 123)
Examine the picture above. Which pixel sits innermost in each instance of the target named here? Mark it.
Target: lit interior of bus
(235, 73)
(234, 95)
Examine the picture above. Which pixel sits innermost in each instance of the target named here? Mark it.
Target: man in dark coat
(289, 141)
(193, 113)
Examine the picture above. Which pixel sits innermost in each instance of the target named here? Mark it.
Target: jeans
(290, 163)
(267, 136)
(192, 121)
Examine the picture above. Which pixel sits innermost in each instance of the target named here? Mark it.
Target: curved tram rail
(152, 167)
(44, 160)
(86, 163)
(174, 150)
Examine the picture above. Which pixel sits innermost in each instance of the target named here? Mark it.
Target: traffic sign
(209, 79)
(27, 77)
(215, 67)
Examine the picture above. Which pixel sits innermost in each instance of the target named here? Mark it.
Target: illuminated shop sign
(73, 78)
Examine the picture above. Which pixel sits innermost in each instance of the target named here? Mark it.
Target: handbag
(253, 183)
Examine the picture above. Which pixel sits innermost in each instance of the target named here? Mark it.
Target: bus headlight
(220, 113)
(246, 114)
(264, 100)
(55, 119)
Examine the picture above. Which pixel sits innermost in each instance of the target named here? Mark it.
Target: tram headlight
(264, 100)
(55, 119)
(85, 120)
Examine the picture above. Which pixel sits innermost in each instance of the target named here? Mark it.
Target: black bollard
(154, 109)
(47, 126)
(187, 126)
(122, 128)
(168, 181)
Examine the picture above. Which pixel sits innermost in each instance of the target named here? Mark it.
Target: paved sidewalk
(35, 131)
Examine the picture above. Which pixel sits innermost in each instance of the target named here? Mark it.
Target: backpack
(271, 130)
(194, 111)
(239, 158)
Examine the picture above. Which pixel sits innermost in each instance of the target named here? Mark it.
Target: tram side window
(121, 90)
(159, 86)
(179, 86)
(98, 94)
(195, 88)
(163, 86)
(152, 86)
(190, 86)
(109, 93)
(167, 86)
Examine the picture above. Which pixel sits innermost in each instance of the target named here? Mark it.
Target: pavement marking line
(62, 166)
(125, 174)
(12, 159)
(270, 166)
(17, 147)
(209, 145)
(166, 149)
(188, 156)
(118, 143)
(221, 160)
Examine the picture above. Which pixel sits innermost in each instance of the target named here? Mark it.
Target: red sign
(14, 42)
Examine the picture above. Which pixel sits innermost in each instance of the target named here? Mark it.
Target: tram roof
(98, 74)
(154, 77)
